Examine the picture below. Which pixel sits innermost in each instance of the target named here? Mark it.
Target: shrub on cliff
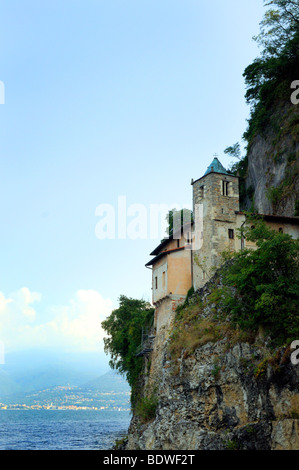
(266, 284)
(124, 327)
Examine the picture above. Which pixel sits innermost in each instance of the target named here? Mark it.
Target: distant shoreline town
(18, 407)
(69, 398)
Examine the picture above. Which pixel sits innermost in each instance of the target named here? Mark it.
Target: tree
(278, 26)
(234, 151)
(269, 77)
(266, 284)
(124, 327)
(176, 219)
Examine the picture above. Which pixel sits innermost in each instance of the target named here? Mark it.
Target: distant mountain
(109, 391)
(35, 370)
(109, 382)
(7, 385)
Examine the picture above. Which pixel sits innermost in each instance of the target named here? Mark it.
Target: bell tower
(216, 200)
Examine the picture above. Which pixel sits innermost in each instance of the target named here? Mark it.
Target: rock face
(273, 164)
(234, 410)
(223, 396)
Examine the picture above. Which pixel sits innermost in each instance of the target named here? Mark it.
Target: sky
(111, 107)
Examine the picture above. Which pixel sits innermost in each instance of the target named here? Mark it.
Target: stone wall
(219, 216)
(165, 311)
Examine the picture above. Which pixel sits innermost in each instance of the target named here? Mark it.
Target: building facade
(171, 275)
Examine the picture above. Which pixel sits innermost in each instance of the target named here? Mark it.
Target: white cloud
(22, 300)
(75, 326)
(3, 303)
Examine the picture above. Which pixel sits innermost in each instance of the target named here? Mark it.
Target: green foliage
(119, 443)
(279, 24)
(269, 77)
(261, 369)
(232, 445)
(177, 219)
(292, 157)
(266, 284)
(268, 81)
(234, 151)
(190, 293)
(187, 300)
(216, 371)
(124, 327)
(287, 186)
(239, 168)
(146, 408)
(274, 194)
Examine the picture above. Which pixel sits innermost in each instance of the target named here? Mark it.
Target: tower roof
(216, 167)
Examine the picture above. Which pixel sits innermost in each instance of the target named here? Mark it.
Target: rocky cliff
(227, 391)
(272, 179)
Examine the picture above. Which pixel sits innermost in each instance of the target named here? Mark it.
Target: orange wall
(179, 272)
(173, 273)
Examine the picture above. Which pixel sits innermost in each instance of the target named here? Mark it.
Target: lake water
(61, 429)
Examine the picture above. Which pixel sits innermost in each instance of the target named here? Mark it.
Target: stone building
(190, 257)
(216, 207)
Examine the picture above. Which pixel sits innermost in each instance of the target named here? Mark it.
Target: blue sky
(105, 99)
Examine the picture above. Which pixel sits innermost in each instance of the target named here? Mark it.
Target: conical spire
(216, 167)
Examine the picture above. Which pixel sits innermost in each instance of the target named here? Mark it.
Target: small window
(163, 280)
(156, 282)
(231, 234)
(201, 191)
(225, 188)
(178, 243)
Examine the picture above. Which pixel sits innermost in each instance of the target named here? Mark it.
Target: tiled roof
(163, 253)
(216, 167)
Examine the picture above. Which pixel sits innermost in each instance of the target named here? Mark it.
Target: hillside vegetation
(269, 170)
(256, 290)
